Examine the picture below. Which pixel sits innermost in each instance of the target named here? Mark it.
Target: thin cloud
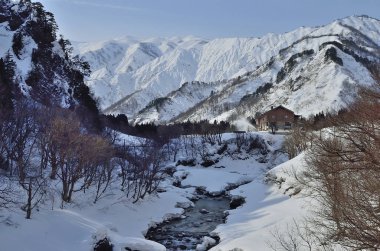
(109, 6)
(101, 5)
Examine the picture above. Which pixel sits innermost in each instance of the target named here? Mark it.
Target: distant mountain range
(308, 70)
(161, 80)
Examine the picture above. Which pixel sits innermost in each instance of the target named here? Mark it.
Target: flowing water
(197, 222)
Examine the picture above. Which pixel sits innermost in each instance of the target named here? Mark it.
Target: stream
(187, 232)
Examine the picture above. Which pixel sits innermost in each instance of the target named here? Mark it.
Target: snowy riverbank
(80, 224)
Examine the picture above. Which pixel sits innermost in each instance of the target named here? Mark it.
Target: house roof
(276, 108)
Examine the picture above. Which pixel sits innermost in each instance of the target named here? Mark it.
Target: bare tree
(344, 174)
(31, 177)
(190, 145)
(296, 237)
(49, 148)
(7, 191)
(19, 133)
(76, 155)
(175, 147)
(8, 194)
(240, 140)
(35, 187)
(103, 178)
(297, 142)
(141, 169)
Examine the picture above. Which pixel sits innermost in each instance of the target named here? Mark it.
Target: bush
(258, 143)
(222, 149)
(209, 162)
(186, 162)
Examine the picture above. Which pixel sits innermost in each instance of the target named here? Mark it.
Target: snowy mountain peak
(309, 70)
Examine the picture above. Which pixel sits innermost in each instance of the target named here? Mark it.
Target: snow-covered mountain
(307, 70)
(35, 63)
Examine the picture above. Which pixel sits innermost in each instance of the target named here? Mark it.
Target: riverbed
(197, 222)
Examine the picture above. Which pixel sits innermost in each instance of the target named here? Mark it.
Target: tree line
(151, 130)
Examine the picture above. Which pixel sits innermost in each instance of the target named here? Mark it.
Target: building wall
(280, 118)
(263, 123)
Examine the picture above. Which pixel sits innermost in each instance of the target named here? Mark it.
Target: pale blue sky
(91, 20)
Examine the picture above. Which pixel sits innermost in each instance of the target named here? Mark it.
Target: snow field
(79, 225)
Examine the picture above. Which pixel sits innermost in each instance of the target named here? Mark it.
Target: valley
(186, 143)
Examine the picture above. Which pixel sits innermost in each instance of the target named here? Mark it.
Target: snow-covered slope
(80, 224)
(307, 70)
(34, 63)
(126, 65)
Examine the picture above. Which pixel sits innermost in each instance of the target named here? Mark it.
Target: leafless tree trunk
(35, 188)
(240, 139)
(103, 178)
(297, 237)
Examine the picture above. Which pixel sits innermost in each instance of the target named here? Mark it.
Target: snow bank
(207, 242)
(249, 227)
(79, 225)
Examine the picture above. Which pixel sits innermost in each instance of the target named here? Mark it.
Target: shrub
(186, 162)
(296, 142)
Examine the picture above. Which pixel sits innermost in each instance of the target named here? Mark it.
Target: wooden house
(275, 119)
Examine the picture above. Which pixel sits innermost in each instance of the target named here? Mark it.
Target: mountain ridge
(220, 61)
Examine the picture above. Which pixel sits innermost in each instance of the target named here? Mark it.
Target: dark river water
(198, 221)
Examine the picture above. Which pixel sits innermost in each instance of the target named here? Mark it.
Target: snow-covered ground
(79, 225)
(267, 208)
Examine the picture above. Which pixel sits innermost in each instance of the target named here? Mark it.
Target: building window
(286, 116)
(273, 116)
